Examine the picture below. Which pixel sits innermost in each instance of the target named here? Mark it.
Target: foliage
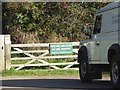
(30, 22)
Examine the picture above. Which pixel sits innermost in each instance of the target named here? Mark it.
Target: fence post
(7, 52)
(2, 49)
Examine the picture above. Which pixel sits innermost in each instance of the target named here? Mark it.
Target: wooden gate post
(2, 49)
(7, 52)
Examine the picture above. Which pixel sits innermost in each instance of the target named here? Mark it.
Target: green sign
(61, 48)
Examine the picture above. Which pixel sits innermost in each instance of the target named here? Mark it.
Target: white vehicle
(102, 51)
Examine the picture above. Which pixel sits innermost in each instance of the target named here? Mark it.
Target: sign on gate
(61, 48)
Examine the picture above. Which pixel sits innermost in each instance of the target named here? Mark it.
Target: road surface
(54, 83)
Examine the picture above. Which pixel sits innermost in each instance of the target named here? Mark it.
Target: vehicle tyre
(84, 69)
(115, 72)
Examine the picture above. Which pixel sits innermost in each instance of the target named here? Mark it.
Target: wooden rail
(42, 54)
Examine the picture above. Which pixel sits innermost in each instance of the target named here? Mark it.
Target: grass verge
(43, 72)
(13, 72)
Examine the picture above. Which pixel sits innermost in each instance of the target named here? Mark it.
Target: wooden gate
(40, 52)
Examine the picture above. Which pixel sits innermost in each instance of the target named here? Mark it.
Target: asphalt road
(55, 84)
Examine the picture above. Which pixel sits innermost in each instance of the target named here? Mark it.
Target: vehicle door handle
(97, 43)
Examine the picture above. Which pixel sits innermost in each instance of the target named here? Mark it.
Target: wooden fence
(39, 53)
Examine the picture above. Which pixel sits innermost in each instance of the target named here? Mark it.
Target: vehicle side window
(98, 22)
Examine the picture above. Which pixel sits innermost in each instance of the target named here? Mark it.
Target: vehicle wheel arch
(113, 50)
(81, 52)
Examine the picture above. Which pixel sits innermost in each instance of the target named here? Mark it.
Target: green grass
(39, 72)
(43, 72)
(106, 74)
